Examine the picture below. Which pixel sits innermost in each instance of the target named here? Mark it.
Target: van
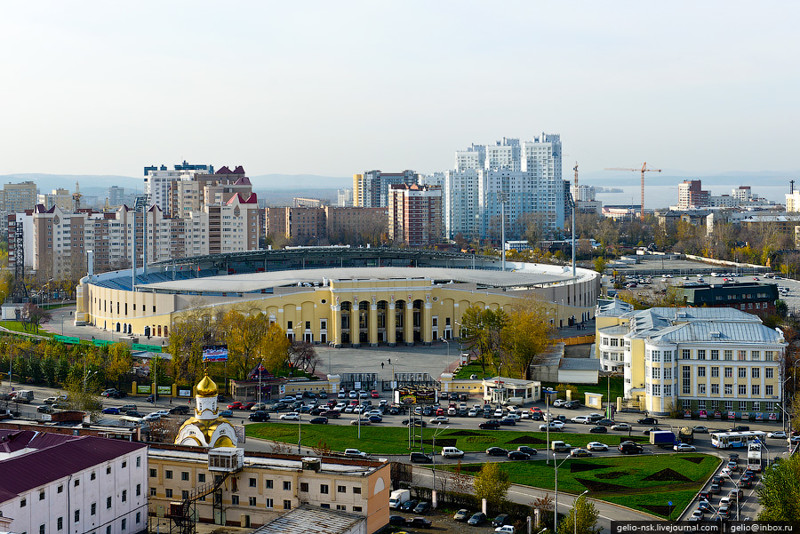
(560, 446)
(452, 452)
(24, 396)
(398, 497)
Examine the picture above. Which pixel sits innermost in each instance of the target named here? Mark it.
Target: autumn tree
(481, 332)
(581, 519)
(34, 316)
(303, 355)
(275, 352)
(245, 335)
(779, 492)
(492, 484)
(187, 337)
(526, 336)
(118, 363)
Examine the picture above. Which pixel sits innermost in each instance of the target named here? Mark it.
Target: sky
(336, 88)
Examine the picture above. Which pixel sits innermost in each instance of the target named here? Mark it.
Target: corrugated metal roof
(308, 518)
(41, 466)
(579, 364)
(711, 331)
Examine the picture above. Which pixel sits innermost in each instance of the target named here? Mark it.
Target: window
(668, 390)
(756, 406)
(77, 483)
(304, 486)
(268, 484)
(742, 405)
(701, 372)
(728, 389)
(756, 389)
(41, 529)
(714, 372)
(341, 489)
(270, 504)
(755, 356)
(153, 473)
(61, 489)
(124, 465)
(701, 405)
(768, 391)
(715, 389)
(138, 517)
(357, 490)
(756, 372)
(168, 493)
(657, 390)
(252, 501)
(728, 355)
(23, 502)
(356, 508)
(742, 372)
(325, 505)
(124, 495)
(92, 476)
(124, 523)
(668, 373)
(742, 389)
(184, 494)
(108, 502)
(138, 489)
(138, 463)
(701, 354)
(287, 504)
(41, 495)
(667, 356)
(701, 389)
(93, 509)
(656, 373)
(60, 523)
(729, 372)
(253, 483)
(715, 354)
(323, 488)
(287, 485)
(168, 474)
(201, 477)
(728, 406)
(768, 372)
(686, 404)
(234, 500)
(686, 354)
(768, 355)
(741, 355)
(77, 515)
(108, 469)
(656, 355)
(152, 492)
(185, 476)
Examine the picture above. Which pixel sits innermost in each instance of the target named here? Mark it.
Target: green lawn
(646, 482)
(18, 326)
(601, 387)
(376, 439)
(475, 369)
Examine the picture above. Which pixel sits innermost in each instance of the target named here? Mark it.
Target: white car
(473, 413)
(726, 472)
(439, 419)
(507, 529)
(778, 434)
(581, 419)
(498, 412)
(596, 446)
(684, 447)
(558, 402)
(152, 417)
(291, 416)
(554, 425)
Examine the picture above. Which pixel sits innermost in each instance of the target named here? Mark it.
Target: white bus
(735, 440)
(754, 456)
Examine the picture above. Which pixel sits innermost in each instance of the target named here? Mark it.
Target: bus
(735, 440)
(754, 456)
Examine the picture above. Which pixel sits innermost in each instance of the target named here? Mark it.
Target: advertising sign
(143, 389)
(165, 390)
(215, 353)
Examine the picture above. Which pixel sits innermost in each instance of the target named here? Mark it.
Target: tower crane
(643, 170)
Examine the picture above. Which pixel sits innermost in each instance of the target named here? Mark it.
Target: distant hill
(283, 182)
(91, 184)
(674, 177)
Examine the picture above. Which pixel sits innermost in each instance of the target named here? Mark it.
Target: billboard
(215, 353)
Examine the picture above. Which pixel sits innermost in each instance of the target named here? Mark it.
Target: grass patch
(376, 439)
(601, 387)
(634, 481)
(475, 369)
(18, 326)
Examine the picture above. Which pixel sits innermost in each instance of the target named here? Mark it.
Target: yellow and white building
(693, 359)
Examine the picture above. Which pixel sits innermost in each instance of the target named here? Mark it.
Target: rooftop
(308, 518)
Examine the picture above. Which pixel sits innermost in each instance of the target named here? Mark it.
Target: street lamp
(433, 455)
(448, 348)
(555, 504)
(575, 511)
(738, 491)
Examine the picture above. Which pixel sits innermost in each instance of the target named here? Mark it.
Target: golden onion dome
(206, 387)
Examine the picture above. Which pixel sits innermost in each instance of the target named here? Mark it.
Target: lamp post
(555, 504)
(738, 491)
(575, 511)
(448, 348)
(433, 455)
(299, 432)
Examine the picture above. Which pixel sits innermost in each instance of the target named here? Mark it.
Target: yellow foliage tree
(526, 336)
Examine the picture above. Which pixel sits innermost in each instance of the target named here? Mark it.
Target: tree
(118, 363)
(245, 335)
(303, 355)
(34, 315)
(481, 332)
(581, 519)
(600, 264)
(779, 493)
(492, 484)
(276, 348)
(526, 337)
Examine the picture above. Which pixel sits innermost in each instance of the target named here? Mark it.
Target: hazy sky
(337, 87)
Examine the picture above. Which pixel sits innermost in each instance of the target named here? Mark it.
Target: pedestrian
(170, 401)
(390, 361)
(381, 365)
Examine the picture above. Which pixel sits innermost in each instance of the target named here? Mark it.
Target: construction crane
(643, 170)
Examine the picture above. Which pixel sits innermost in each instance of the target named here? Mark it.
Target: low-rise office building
(694, 359)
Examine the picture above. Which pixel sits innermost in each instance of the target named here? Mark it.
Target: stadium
(333, 295)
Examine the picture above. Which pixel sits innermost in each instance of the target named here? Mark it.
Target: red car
(374, 393)
(439, 411)
(235, 405)
(247, 406)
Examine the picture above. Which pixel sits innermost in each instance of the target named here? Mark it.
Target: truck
(24, 396)
(398, 497)
(686, 435)
(663, 438)
(754, 457)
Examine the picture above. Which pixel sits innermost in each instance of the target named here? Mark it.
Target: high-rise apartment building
(326, 224)
(344, 198)
(57, 197)
(526, 176)
(371, 189)
(691, 195)
(415, 215)
(158, 181)
(19, 197)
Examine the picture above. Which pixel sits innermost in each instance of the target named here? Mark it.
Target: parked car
(500, 520)
(506, 529)
(408, 505)
(354, 453)
(496, 451)
(45, 408)
(247, 405)
(559, 402)
(259, 416)
(462, 515)
(397, 520)
(418, 522)
(477, 519)
(598, 430)
(237, 405)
